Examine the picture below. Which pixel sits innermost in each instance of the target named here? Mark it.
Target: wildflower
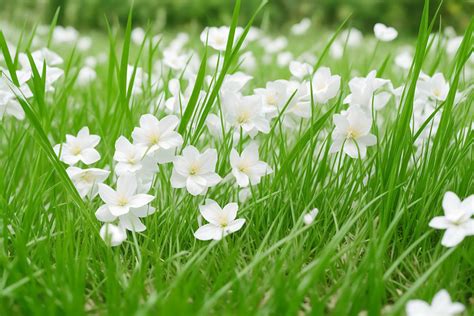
(216, 37)
(369, 92)
(128, 156)
(274, 96)
(86, 76)
(385, 33)
(300, 70)
(404, 60)
(456, 220)
(309, 217)
(222, 221)
(325, 85)
(138, 35)
(155, 134)
(195, 171)
(79, 148)
(434, 88)
(66, 34)
(301, 27)
(120, 201)
(352, 133)
(112, 235)
(441, 305)
(245, 112)
(86, 180)
(247, 168)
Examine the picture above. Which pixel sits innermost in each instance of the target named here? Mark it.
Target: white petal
(208, 232)
(140, 200)
(103, 214)
(107, 194)
(452, 237)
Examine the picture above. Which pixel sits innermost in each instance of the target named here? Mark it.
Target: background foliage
(403, 14)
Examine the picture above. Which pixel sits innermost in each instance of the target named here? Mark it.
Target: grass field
(376, 166)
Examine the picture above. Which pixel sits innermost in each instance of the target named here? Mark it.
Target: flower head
(247, 168)
(86, 180)
(79, 148)
(195, 171)
(441, 305)
(222, 221)
(456, 220)
(352, 133)
(385, 33)
(120, 201)
(155, 134)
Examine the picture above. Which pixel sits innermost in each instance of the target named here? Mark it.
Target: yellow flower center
(154, 139)
(122, 201)
(243, 117)
(76, 150)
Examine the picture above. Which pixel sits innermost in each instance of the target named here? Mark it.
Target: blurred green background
(89, 14)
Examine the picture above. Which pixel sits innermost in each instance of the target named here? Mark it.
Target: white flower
(120, 201)
(216, 37)
(130, 221)
(368, 89)
(301, 27)
(222, 221)
(112, 235)
(155, 134)
(325, 86)
(79, 148)
(65, 34)
(247, 168)
(9, 105)
(404, 60)
(84, 43)
(128, 156)
(86, 76)
(138, 35)
(300, 70)
(351, 37)
(284, 59)
(234, 82)
(309, 217)
(434, 88)
(352, 133)
(245, 112)
(86, 180)
(385, 33)
(274, 96)
(195, 171)
(456, 220)
(174, 59)
(442, 305)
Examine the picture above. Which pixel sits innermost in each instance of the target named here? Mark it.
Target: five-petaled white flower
(129, 157)
(222, 221)
(435, 88)
(325, 85)
(120, 201)
(195, 171)
(385, 33)
(456, 220)
(441, 305)
(216, 37)
(352, 133)
(79, 148)
(247, 168)
(245, 112)
(86, 180)
(157, 134)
